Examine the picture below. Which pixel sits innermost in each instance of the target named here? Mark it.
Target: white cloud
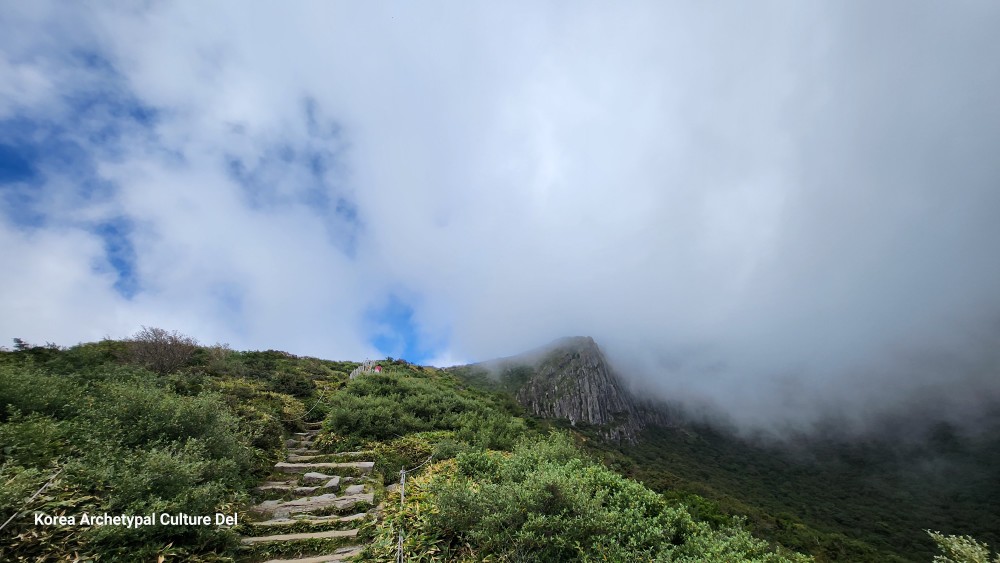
(730, 199)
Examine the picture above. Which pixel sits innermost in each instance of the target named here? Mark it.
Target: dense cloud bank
(782, 209)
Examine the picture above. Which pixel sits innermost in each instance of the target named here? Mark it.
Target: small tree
(961, 549)
(159, 350)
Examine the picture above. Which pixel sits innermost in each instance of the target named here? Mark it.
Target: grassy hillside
(838, 501)
(135, 427)
(127, 440)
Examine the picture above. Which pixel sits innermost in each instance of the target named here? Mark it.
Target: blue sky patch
(16, 164)
(120, 254)
(396, 334)
(34, 148)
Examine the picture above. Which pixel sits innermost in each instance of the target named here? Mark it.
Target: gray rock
(354, 490)
(309, 504)
(314, 477)
(364, 467)
(572, 380)
(301, 536)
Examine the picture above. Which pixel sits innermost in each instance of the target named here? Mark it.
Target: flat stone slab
(286, 467)
(354, 490)
(339, 555)
(308, 504)
(278, 522)
(333, 483)
(276, 487)
(287, 487)
(302, 536)
(296, 458)
(314, 477)
(302, 451)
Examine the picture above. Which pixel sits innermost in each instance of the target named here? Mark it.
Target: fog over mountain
(784, 210)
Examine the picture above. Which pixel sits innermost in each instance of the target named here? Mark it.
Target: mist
(777, 212)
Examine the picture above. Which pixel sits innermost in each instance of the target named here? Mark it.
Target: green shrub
(128, 442)
(405, 452)
(34, 441)
(28, 390)
(961, 549)
(385, 406)
(491, 430)
(544, 502)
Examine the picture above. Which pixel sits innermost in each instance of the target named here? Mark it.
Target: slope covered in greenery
(838, 498)
(195, 432)
(127, 440)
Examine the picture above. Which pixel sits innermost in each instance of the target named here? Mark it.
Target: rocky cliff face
(572, 380)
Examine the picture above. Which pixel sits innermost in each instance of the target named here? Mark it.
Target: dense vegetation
(123, 439)
(134, 427)
(502, 488)
(835, 498)
(839, 501)
(545, 502)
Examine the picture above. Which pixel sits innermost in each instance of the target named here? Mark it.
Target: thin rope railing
(402, 499)
(27, 502)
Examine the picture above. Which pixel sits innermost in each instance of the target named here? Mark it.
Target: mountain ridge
(571, 379)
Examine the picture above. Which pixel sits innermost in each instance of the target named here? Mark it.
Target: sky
(778, 208)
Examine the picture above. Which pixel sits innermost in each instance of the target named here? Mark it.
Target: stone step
(298, 443)
(304, 522)
(303, 536)
(339, 555)
(276, 486)
(311, 434)
(296, 457)
(311, 504)
(276, 483)
(279, 522)
(308, 454)
(354, 490)
(287, 489)
(313, 477)
(313, 425)
(363, 467)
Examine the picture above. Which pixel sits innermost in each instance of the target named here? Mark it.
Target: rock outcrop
(571, 379)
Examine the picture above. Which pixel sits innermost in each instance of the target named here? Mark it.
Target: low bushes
(385, 406)
(544, 502)
(128, 442)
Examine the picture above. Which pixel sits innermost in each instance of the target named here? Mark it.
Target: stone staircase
(312, 506)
